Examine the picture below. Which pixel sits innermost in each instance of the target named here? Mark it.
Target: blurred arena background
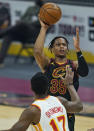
(15, 93)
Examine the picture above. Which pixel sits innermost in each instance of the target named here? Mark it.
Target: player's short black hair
(39, 2)
(53, 41)
(39, 83)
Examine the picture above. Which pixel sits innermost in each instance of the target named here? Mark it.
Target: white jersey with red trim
(53, 115)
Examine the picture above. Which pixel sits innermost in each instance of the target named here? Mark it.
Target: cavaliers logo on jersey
(57, 85)
(59, 71)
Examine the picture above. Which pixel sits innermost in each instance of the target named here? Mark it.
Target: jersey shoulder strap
(47, 66)
(70, 62)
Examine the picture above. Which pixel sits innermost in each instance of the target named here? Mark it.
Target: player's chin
(62, 54)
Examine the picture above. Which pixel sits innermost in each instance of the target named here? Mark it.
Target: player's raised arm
(75, 105)
(81, 65)
(39, 55)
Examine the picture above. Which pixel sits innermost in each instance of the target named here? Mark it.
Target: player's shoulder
(51, 60)
(48, 64)
(74, 63)
(34, 108)
(32, 113)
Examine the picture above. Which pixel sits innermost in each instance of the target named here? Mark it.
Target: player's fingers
(70, 71)
(77, 33)
(67, 71)
(72, 74)
(64, 79)
(61, 77)
(39, 17)
(77, 30)
(74, 39)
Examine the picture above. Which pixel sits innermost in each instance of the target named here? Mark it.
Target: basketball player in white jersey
(48, 113)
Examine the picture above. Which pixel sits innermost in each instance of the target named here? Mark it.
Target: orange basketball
(50, 13)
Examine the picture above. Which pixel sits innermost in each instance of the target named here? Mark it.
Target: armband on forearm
(82, 65)
(79, 54)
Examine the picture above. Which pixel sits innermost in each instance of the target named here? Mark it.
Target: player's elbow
(83, 72)
(75, 107)
(79, 106)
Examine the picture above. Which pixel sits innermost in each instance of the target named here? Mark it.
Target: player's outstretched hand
(69, 76)
(76, 40)
(43, 24)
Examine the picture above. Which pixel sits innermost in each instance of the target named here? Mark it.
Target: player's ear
(52, 51)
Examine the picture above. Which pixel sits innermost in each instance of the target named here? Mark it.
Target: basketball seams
(44, 16)
(49, 13)
(42, 13)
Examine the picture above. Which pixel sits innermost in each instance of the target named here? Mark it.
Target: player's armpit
(42, 60)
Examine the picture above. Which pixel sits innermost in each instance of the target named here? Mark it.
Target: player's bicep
(42, 60)
(24, 121)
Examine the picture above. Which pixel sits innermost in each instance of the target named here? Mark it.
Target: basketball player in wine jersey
(57, 66)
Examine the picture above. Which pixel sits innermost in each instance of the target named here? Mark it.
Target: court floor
(9, 115)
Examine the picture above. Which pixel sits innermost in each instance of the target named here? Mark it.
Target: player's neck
(41, 96)
(61, 60)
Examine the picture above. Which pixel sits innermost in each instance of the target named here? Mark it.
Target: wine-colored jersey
(56, 85)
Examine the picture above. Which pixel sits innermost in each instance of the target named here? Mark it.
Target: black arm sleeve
(82, 69)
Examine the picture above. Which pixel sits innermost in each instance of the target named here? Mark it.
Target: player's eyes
(64, 44)
(59, 44)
